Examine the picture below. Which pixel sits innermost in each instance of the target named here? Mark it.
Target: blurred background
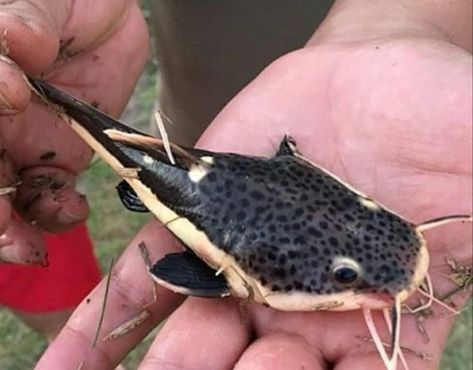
(111, 227)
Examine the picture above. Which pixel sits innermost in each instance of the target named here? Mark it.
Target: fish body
(279, 230)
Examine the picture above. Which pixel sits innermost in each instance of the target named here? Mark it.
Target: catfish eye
(345, 271)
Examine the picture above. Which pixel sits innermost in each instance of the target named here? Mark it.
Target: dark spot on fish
(271, 256)
(333, 241)
(313, 231)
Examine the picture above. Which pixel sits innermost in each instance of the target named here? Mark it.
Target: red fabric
(72, 273)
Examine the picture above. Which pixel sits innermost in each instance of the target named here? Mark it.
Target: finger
(84, 31)
(130, 289)
(29, 35)
(30, 31)
(14, 93)
(201, 334)
(21, 243)
(47, 197)
(95, 73)
(280, 351)
(60, 147)
(348, 343)
(342, 335)
(92, 75)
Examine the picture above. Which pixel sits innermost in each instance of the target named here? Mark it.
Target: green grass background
(111, 227)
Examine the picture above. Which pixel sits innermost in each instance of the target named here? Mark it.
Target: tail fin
(85, 114)
(118, 144)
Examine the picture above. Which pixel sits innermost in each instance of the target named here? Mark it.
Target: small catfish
(280, 231)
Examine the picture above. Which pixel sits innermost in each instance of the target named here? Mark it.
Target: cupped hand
(94, 49)
(393, 118)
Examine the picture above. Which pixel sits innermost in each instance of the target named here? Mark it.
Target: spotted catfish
(281, 231)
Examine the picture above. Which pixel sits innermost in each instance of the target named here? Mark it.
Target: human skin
(391, 115)
(412, 157)
(86, 55)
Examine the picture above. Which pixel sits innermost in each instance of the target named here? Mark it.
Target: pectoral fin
(129, 198)
(185, 273)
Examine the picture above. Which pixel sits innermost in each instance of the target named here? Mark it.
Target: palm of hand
(392, 118)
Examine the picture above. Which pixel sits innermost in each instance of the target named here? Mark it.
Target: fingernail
(22, 254)
(4, 102)
(74, 211)
(6, 107)
(10, 254)
(11, 63)
(73, 215)
(7, 112)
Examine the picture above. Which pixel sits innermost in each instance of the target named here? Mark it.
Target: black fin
(128, 148)
(287, 146)
(186, 273)
(129, 198)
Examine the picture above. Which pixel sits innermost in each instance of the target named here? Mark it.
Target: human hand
(392, 117)
(94, 49)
